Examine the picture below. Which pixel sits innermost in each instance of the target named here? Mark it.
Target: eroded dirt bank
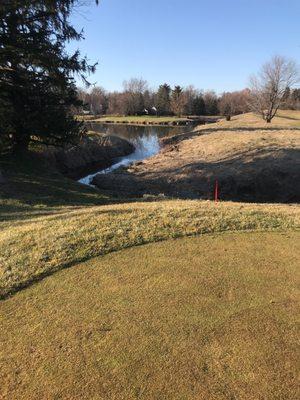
(95, 152)
(250, 164)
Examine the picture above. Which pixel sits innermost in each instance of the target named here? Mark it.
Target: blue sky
(212, 44)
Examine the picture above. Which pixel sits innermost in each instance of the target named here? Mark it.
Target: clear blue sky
(212, 44)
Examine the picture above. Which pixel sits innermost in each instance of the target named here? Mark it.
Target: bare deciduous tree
(227, 105)
(269, 86)
(98, 100)
(190, 94)
(134, 91)
(233, 103)
(83, 96)
(211, 102)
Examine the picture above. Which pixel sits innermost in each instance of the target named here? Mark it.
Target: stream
(144, 138)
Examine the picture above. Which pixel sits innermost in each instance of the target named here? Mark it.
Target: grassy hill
(49, 222)
(284, 119)
(207, 317)
(253, 162)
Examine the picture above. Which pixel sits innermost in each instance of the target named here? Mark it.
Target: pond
(144, 138)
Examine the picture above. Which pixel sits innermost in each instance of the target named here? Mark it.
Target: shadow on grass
(250, 129)
(288, 117)
(32, 189)
(213, 129)
(267, 175)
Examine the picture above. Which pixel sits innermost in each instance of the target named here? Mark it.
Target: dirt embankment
(250, 164)
(2, 179)
(93, 153)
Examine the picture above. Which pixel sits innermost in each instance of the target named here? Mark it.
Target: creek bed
(144, 138)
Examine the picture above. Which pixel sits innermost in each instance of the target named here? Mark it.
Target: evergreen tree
(178, 101)
(162, 102)
(37, 88)
(198, 106)
(211, 103)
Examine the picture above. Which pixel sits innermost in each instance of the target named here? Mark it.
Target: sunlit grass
(211, 317)
(138, 119)
(47, 243)
(284, 119)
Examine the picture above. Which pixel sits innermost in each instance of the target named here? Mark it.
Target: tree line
(137, 99)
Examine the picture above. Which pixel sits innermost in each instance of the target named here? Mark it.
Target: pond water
(144, 138)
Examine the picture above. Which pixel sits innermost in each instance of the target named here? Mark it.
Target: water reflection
(131, 132)
(144, 138)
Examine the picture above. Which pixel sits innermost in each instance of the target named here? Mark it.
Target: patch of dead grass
(284, 119)
(212, 317)
(42, 245)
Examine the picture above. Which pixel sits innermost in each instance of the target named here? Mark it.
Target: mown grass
(211, 317)
(206, 318)
(48, 222)
(44, 244)
(138, 119)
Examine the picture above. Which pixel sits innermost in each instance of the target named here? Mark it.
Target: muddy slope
(261, 165)
(93, 153)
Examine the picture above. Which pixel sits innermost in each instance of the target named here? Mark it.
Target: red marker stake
(216, 191)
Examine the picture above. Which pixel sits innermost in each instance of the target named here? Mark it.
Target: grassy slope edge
(208, 317)
(44, 229)
(48, 222)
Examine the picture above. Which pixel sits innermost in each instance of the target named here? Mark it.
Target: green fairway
(197, 318)
(136, 119)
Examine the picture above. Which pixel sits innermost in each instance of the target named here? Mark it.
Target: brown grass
(284, 119)
(212, 317)
(42, 245)
(203, 318)
(130, 119)
(252, 160)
